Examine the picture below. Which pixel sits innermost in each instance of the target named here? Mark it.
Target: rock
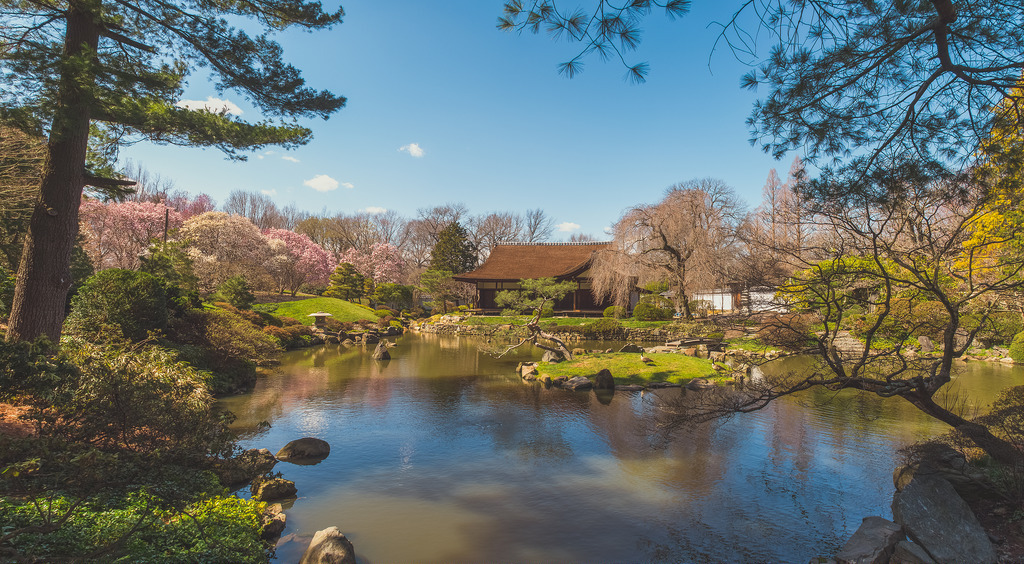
(273, 489)
(244, 467)
(946, 462)
(527, 369)
(371, 338)
(700, 384)
(329, 546)
(631, 348)
(907, 552)
(717, 356)
(692, 351)
(872, 543)
(604, 380)
(658, 385)
(552, 356)
(307, 448)
(579, 352)
(629, 388)
(381, 352)
(273, 523)
(926, 344)
(546, 380)
(937, 519)
(702, 353)
(348, 342)
(578, 383)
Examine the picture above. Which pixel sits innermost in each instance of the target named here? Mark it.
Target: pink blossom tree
(297, 260)
(116, 233)
(383, 262)
(189, 206)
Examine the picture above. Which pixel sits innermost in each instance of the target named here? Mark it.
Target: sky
(445, 108)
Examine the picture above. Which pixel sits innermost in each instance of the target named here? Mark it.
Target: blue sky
(443, 107)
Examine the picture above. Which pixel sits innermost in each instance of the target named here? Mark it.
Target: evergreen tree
(114, 70)
(453, 252)
(346, 283)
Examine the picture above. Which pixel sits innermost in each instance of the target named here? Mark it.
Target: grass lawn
(626, 368)
(340, 309)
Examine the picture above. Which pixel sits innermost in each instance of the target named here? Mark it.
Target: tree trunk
(44, 275)
(1001, 451)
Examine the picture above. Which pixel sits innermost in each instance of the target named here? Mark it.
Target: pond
(443, 455)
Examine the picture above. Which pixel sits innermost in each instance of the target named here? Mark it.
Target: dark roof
(517, 261)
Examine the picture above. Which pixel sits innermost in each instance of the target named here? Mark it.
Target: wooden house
(509, 263)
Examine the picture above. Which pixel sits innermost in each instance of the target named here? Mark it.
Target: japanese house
(509, 263)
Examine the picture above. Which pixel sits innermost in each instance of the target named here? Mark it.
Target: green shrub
(605, 325)
(128, 302)
(396, 324)
(649, 312)
(547, 311)
(236, 291)
(1017, 348)
(225, 344)
(213, 529)
(290, 337)
(384, 312)
(617, 312)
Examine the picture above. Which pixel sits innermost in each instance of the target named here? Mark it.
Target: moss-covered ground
(627, 368)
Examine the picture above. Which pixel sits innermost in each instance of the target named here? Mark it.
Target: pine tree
(113, 71)
(453, 252)
(346, 283)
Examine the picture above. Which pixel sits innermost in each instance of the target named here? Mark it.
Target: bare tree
(258, 208)
(582, 238)
(434, 220)
(687, 240)
(390, 227)
(922, 260)
(149, 187)
(486, 231)
(537, 226)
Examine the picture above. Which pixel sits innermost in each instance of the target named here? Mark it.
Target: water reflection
(443, 455)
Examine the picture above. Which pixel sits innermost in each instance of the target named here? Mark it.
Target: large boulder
(948, 463)
(578, 383)
(938, 520)
(329, 546)
(304, 449)
(603, 380)
(631, 348)
(698, 384)
(552, 356)
(273, 489)
(907, 552)
(872, 543)
(926, 344)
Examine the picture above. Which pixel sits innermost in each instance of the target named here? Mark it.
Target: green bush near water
(127, 302)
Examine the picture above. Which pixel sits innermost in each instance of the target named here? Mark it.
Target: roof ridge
(565, 244)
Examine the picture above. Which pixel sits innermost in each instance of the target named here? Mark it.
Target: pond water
(444, 455)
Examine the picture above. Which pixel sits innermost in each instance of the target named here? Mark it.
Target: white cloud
(348, 185)
(211, 104)
(568, 227)
(291, 159)
(413, 149)
(269, 192)
(322, 183)
(375, 209)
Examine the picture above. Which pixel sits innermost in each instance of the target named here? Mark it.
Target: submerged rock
(306, 448)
